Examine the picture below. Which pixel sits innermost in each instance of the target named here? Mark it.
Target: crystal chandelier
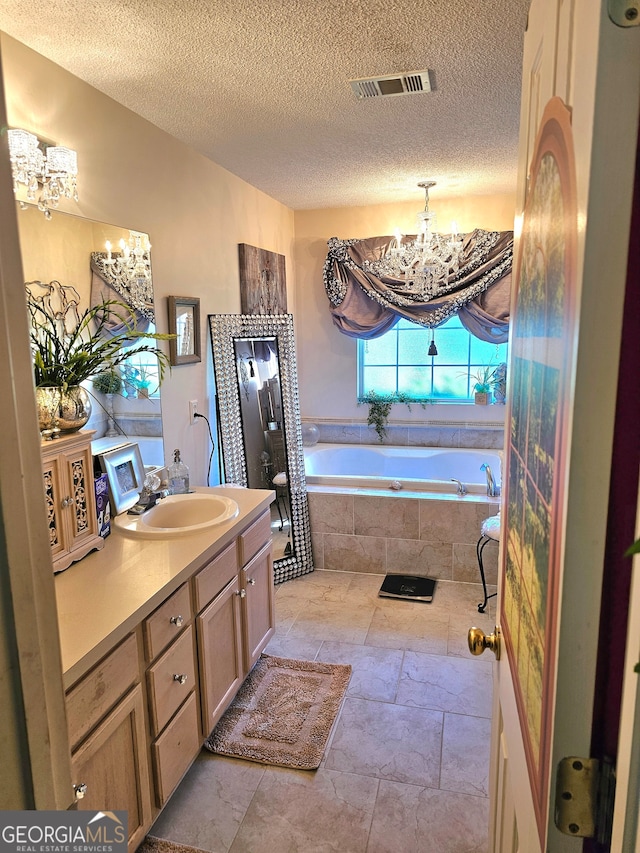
(133, 262)
(426, 263)
(50, 170)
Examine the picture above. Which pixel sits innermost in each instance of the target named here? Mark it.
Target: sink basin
(179, 515)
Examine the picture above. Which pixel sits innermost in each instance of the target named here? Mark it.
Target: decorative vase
(482, 398)
(310, 434)
(62, 411)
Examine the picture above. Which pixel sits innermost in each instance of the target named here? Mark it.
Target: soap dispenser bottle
(178, 475)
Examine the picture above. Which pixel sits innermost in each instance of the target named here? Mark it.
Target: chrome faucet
(493, 490)
(462, 489)
(150, 494)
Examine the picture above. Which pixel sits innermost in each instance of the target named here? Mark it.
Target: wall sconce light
(51, 170)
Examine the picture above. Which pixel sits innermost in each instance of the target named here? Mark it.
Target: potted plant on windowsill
(482, 381)
(67, 354)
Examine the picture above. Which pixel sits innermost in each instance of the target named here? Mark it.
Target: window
(140, 370)
(397, 362)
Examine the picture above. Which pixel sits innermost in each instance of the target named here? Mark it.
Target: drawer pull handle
(242, 593)
(180, 678)
(80, 790)
(65, 503)
(177, 621)
(252, 581)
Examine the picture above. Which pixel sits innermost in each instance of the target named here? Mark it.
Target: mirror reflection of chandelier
(52, 170)
(426, 263)
(131, 266)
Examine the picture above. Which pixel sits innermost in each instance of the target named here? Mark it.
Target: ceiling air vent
(392, 84)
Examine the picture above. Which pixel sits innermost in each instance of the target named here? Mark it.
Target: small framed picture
(184, 322)
(125, 473)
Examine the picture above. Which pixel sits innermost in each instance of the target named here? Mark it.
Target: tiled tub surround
(488, 435)
(419, 533)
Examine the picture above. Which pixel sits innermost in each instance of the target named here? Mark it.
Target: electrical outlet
(193, 408)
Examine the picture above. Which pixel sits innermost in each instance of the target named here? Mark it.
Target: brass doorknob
(479, 641)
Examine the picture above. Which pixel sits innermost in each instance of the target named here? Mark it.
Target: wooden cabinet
(67, 468)
(172, 695)
(258, 606)
(138, 718)
(107, 730)
(236, 591)
(219, 633)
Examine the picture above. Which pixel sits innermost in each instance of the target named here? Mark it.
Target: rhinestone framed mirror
(254, 360)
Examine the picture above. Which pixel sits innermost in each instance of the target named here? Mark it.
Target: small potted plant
(482, 381)
(142, 381)
(108, 382)
(380, 409)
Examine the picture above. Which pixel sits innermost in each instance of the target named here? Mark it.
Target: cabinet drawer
(175, 749)
(254, 537)
(166, 622)
(170, 679)
(101, 689)
(215, 576)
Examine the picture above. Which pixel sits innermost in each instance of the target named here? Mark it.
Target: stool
(489, 532)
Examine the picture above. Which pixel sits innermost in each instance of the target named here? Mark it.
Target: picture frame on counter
(125, 472)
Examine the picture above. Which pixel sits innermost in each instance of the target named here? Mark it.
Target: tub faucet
(462, 489)
(493, 489)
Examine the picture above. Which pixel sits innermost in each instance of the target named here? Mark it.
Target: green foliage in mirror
(67, 353)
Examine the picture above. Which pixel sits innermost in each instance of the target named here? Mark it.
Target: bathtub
(417, 469)
(151, 448)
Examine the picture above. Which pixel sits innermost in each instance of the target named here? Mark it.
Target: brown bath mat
(151, 844)
(283, 713)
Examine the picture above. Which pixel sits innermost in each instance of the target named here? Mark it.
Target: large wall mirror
(257, 388)
(61, 249)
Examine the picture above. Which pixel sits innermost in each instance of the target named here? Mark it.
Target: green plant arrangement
(108, 382)
(142, 381)
(380, 409)
(483, 379)
(64, 357)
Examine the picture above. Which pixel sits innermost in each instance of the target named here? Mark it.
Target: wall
(134, 175)
(326, 358)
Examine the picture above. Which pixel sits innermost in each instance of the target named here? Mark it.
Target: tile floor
(406, 767)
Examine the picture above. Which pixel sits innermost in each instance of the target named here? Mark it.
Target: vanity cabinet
(67, 469)
(171, 688)
(107, 732)
(235, 596)
(139, 715)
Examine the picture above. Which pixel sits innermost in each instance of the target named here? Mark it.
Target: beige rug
(283, 713)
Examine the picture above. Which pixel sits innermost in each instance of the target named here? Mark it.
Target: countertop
(107, 594)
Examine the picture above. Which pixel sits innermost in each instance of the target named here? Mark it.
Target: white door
(579, 118)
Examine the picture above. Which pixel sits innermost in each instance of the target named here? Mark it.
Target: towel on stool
(491, 527)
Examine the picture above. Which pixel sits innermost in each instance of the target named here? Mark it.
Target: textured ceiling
(262, 87)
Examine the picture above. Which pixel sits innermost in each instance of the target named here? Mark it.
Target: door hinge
(585, 791)
(624, 13)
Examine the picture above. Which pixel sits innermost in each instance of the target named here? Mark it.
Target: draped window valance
(366, 304)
